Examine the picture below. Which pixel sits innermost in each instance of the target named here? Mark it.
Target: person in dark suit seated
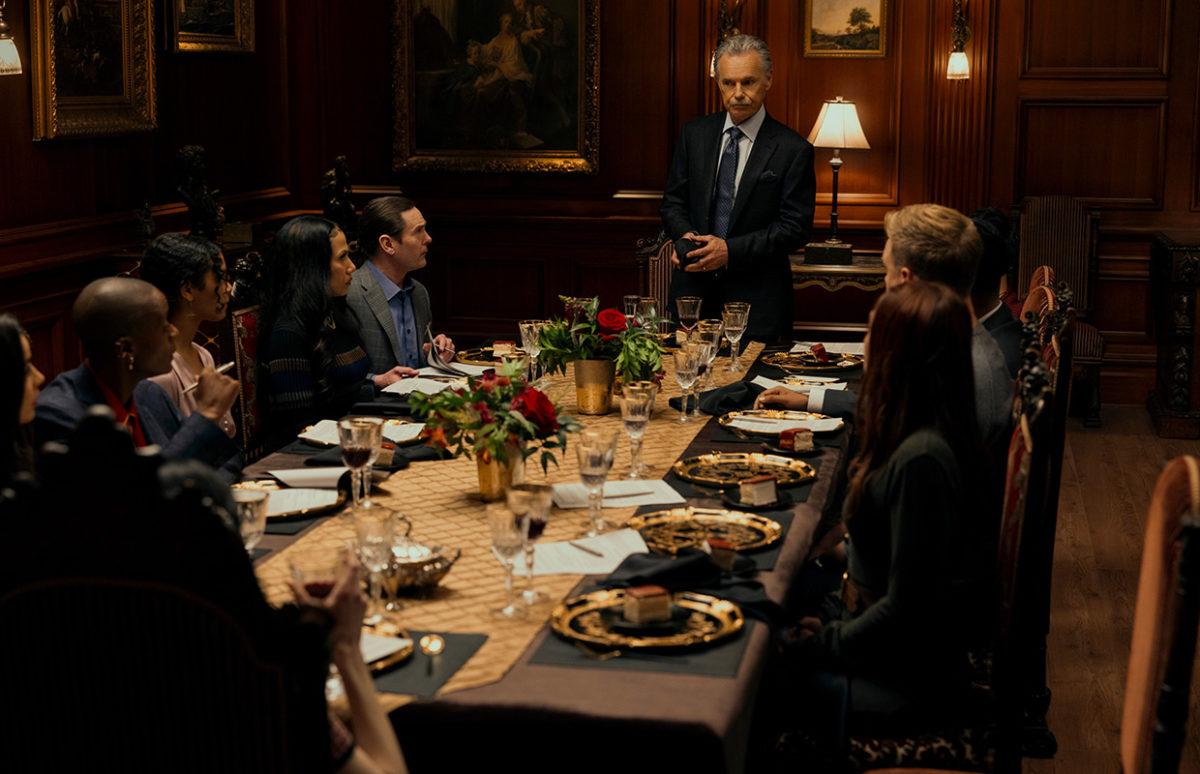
(936, 244)
(889, 649)
(392, 308)
(127, 338)
(315, 364)
(999, 252)
(19, 387)
(742, 185)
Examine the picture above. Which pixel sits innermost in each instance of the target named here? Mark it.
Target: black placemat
(258, 553)
(292, 527)
(423, 675)
(719, 660)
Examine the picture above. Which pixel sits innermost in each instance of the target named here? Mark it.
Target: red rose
(611, 322)
(485, 413)
(537, 408)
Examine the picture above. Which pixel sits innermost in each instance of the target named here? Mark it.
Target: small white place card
(619, 494)
(579, 557)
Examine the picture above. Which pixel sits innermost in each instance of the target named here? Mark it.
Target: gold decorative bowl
(418, 568)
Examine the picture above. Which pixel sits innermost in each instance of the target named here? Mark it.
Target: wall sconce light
(10, 59)
(836, 127)
(958, 68)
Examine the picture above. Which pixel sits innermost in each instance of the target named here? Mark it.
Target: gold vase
(495, 477)
(594, 385)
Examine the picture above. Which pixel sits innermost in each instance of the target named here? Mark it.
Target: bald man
(127, 338)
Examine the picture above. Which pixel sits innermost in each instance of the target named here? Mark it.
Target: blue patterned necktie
(726, 181)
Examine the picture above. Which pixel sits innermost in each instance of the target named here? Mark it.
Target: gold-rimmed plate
(807, 362)
(486, 356)
(767, 423)
(667, 531)
(594, 619)
(396, 657)
(324, 433)
(336, 500)
(726, 469)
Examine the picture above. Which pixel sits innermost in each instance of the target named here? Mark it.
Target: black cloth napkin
(383, 407)
(423, 675)
(731, 397)
(333, 457)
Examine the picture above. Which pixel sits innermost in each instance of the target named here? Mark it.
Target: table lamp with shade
(836, 127)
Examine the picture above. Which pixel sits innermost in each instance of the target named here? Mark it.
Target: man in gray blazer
(392, 308)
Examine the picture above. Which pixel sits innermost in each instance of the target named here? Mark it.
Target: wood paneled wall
(1098, 99)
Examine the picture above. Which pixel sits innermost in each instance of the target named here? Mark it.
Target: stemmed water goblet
(636, 407)
(508, 538)
(595, 450)
(630, 304)
(689, 311)
(709, 332)
(647, 310)
(375, 528)
(251, 515)
(687, 366)
(531, 501)
(703, 350)
(531, 332)
(360, 438)
(735, 316)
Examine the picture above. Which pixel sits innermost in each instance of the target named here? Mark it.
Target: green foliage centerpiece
(601, 343)
(500, 420)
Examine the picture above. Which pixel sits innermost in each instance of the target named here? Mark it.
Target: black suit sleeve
(674, 210)
(791, 227)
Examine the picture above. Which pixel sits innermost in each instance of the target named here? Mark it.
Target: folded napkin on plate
(766, 425)
(731, 397)
(619, 494)
(824, 383)
(318, 478)
(416, 384)
(570, 558)
(841, 347)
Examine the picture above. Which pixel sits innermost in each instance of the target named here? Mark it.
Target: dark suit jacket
(772, 216)
(375, 326)
(64, 401)
(1006, 330)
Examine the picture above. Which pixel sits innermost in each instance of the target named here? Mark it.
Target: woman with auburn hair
(890, 646)
(20, 382)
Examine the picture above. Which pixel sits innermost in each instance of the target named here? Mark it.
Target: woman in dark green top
(894, 639)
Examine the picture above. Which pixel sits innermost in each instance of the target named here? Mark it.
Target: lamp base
(829, 253)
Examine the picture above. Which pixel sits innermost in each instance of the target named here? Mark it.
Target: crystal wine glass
(508, 537)
(375, 528)
(531, 332)
(689, 311)
(649, 389)
(710, 332)
(317, 571)
(595, 449)
(703, 348)
(631, 307)
(687, 365)
(735, 316)
(360, 439)
(251, 515)
(647, 309)
(636, 407)
(532, 501)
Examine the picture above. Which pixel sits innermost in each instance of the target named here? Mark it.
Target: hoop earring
(128, 358)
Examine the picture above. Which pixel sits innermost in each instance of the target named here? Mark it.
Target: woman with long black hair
(20, 381)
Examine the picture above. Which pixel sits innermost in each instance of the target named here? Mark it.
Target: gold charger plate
(484, 356)
(726, 469)
(269, 484)
(393, 422)
(767, 430)
(807, 363)
(667, 531)
(392, 659)
(582, 619)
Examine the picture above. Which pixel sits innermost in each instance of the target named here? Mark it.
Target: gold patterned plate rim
(786, 470)
(671, 529)
(485, 356)
(270, 484)
(806, 362)
(781, 414)
(393, 422)
(392, 659)
(579, 619)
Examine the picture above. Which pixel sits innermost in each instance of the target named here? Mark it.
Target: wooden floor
(1108, 476)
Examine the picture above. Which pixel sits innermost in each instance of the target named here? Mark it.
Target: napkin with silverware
(731, 397)
(619, 494)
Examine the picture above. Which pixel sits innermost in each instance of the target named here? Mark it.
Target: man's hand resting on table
(393, 376)
(781, 397)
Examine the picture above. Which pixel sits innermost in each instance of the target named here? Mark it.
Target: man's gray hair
(743, 44)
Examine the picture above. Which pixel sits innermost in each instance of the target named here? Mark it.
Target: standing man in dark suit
(391, 307)
(741, 186)
(999, 252)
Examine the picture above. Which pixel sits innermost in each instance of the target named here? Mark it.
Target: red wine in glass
(318, 589)
(536, 528)
(688, 321)
(356, 456)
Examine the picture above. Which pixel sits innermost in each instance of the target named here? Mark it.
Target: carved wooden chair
(144, 641)
(1161, 655)
(245, 356)
(653, 257)
(1058, 232)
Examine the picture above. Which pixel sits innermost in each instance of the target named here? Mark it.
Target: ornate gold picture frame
(93, 68)
(211, 25)
(845, 28)
(497, 86)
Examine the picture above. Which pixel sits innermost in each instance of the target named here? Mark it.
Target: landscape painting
(845, 28)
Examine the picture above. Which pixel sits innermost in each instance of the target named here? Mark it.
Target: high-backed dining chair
(653, 257)
(1059, 232)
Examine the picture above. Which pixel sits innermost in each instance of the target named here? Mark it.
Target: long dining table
(517, 701)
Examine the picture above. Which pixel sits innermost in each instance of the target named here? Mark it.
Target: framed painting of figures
(497, 85)
(845, 28)
(93, 67)
(211, 25)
